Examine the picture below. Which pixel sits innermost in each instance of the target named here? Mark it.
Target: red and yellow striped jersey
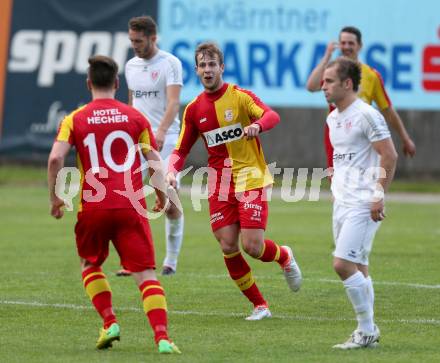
(106, 134)
(219, 119)
(372, 89)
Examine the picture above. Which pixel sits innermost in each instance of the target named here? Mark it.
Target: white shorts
(353, 233)
(168, 147)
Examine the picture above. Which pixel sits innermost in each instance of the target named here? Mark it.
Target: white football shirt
(148, 80)
(356, 163)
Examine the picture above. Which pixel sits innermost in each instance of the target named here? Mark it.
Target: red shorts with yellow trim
(128, 230)
(249, 209)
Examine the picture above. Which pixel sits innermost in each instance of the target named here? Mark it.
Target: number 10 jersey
(107, 135)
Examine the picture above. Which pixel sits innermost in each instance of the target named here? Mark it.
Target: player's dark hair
(210, 49)
(102, 71)
(145, 24)
(347, 68)
(353, 30)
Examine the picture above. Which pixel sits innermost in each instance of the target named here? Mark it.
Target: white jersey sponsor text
(148, 80)
(356, 163)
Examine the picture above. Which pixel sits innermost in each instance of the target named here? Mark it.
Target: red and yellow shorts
(249, 209)
(129, 231)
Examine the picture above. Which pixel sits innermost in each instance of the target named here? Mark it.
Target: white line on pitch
(389, 283)
(333, 281)
(275, 277)
(226, 315)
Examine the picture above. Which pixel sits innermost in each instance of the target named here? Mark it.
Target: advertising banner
(43, 61)
(271, 47)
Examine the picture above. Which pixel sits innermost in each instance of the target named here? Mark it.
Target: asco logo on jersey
(223, 135)
(431, 66)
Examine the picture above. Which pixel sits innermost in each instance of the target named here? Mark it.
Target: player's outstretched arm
(268, 121)
(393, 118)
(54, 164)
(314, 81)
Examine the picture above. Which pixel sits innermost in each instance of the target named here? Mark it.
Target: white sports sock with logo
(356, 287)
(174, 237)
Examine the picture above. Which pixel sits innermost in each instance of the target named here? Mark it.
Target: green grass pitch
(46, 317)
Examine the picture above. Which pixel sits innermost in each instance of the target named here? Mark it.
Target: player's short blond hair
(209, 48)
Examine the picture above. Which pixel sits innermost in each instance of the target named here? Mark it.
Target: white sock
(174, 236)
(356, 288)
(370, 290)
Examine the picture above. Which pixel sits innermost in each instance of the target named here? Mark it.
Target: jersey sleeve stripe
(382, 86)
(184, 121)
(182, 131)
(144, 141)
(379, 134)
(66, 127)
(255, 105)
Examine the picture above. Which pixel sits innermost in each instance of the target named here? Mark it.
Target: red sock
(241, 273)
(273, 252)
(98, 289)
(155, 308)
